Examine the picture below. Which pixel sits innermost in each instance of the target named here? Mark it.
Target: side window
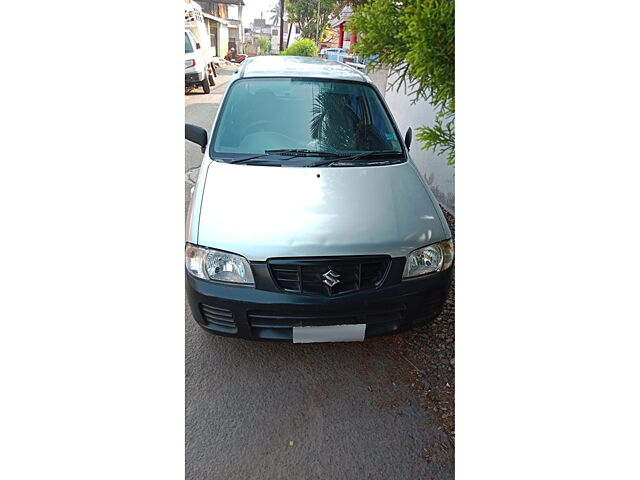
(188, 47)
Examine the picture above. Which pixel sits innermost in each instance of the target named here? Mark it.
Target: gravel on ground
(430, 353)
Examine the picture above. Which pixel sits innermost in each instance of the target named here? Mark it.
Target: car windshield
(263, 115)
(188, 48)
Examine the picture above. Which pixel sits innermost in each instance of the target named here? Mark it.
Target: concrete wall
(275, 42)
(223, 40)
(433, 167)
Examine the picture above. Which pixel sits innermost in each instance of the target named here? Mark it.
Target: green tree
(275, 17)
(303, 47)
(264, 45)
(415, 39)
(305, 14)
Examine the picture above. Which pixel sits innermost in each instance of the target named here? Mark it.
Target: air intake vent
(219, 319)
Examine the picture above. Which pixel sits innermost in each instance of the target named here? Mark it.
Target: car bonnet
(264, 212)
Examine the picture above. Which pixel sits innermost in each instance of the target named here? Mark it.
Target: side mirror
(407, 138)
(197, 46)
(196, 135)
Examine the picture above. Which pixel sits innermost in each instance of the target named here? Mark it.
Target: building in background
(259, 27)
(291, 33)
(236, 30)
(341, 37)
(223, 19)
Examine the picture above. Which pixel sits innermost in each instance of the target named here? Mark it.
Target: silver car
(309, 221)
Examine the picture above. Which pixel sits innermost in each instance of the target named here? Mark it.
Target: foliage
(441, 137)
(304, 47)
(355, 3)
(264, 45)
(305, 14)
(336, 128)
(415, 39)
(275, 18)
(330, 125)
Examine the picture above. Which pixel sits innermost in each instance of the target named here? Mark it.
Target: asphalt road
(259, 410)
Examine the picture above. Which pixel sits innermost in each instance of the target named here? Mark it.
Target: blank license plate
(329, 333)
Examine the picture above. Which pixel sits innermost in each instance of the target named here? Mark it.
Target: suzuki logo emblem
(331, 278)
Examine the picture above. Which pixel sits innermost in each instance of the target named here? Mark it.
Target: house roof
(343, 17)
(309, 67)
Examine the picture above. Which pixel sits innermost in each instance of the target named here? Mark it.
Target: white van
(199, 55)
(309, 221)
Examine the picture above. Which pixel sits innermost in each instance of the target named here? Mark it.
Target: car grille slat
(305, 275)
(287, 277)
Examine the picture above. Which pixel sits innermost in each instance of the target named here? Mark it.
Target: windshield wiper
(302, 152)
(331, 157)
(358, 156)
(291, 153)
(246, 159)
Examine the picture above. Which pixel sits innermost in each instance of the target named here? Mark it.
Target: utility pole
(281, 25)
(318, 24)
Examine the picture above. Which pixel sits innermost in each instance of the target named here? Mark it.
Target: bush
(264, 45)
(302, 48)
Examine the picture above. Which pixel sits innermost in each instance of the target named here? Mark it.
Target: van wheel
(212, 73)
(205, 85)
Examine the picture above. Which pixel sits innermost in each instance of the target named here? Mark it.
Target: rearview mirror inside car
(196, 135)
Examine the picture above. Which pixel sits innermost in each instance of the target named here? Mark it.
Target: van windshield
(269, 114)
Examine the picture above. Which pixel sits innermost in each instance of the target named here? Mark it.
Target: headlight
(210, 264)
(432, 258)
(189, 63)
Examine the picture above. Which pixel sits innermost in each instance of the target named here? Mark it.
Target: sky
(252, 9)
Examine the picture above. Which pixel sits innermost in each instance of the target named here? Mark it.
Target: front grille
(219, 319)
(380, 320)
(307, 276)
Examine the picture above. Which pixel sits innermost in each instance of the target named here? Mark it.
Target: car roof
(301, 67)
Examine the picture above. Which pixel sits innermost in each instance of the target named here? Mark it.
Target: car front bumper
(255, 314)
